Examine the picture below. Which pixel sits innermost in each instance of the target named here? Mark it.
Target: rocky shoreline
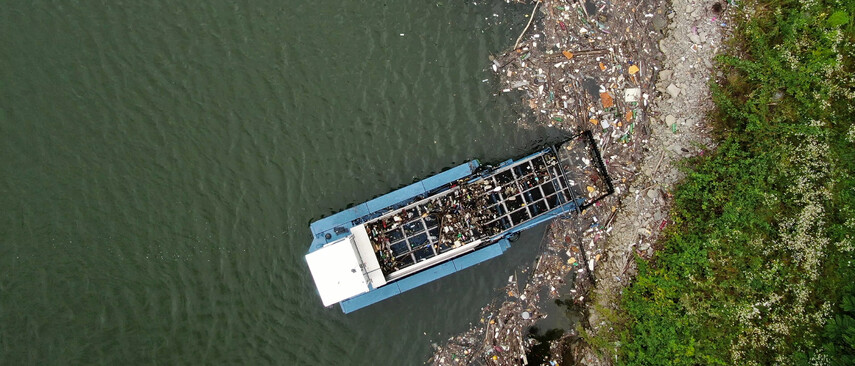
(637, 75)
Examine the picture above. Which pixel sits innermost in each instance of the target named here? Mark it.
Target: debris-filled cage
(475, 210)
(581, 160)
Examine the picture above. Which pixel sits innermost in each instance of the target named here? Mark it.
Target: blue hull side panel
(425, 276)
(482, 255)
(399, 195)
(370, 297)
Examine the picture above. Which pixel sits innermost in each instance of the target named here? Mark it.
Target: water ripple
(166, 159)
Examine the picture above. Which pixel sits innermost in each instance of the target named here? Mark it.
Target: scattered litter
(578, 65)
(607, 99)
(633, 70)
(632, 95)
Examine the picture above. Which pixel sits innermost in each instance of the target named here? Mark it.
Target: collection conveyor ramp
(580, 161)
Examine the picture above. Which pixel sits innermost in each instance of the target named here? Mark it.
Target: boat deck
(449, 221)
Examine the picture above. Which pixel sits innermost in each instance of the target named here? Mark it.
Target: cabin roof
(337, 271)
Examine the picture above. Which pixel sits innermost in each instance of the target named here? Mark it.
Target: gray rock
(673, 90)
(694, 37)
(697, 12)
(651, 193)
(654, 194)
(665, 75)
(676, 147)
(644, 246)
(670, 120)
(659, 22)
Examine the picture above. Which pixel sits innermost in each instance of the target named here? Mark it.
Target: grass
(758, 266)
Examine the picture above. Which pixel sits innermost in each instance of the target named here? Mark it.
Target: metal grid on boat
(469, 211)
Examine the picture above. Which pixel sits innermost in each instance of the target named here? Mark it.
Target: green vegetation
(758, 265)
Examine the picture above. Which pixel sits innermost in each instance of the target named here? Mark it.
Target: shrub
(752, 270)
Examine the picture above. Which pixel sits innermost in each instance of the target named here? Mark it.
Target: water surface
(160, 163)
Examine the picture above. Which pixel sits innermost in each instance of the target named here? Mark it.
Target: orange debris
(607, 99)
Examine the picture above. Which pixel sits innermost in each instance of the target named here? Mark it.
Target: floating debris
(580, 65)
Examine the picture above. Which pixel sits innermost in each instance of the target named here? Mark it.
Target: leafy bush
(752, 270)
(839, 332)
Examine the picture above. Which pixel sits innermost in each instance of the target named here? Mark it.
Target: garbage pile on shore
(500, 337)
(589, 65)
(579, 65)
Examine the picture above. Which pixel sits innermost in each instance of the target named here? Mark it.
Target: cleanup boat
(448, 222)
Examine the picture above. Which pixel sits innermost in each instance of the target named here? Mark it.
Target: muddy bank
(635, 73)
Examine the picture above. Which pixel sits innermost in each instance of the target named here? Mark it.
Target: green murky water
(160, 162)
